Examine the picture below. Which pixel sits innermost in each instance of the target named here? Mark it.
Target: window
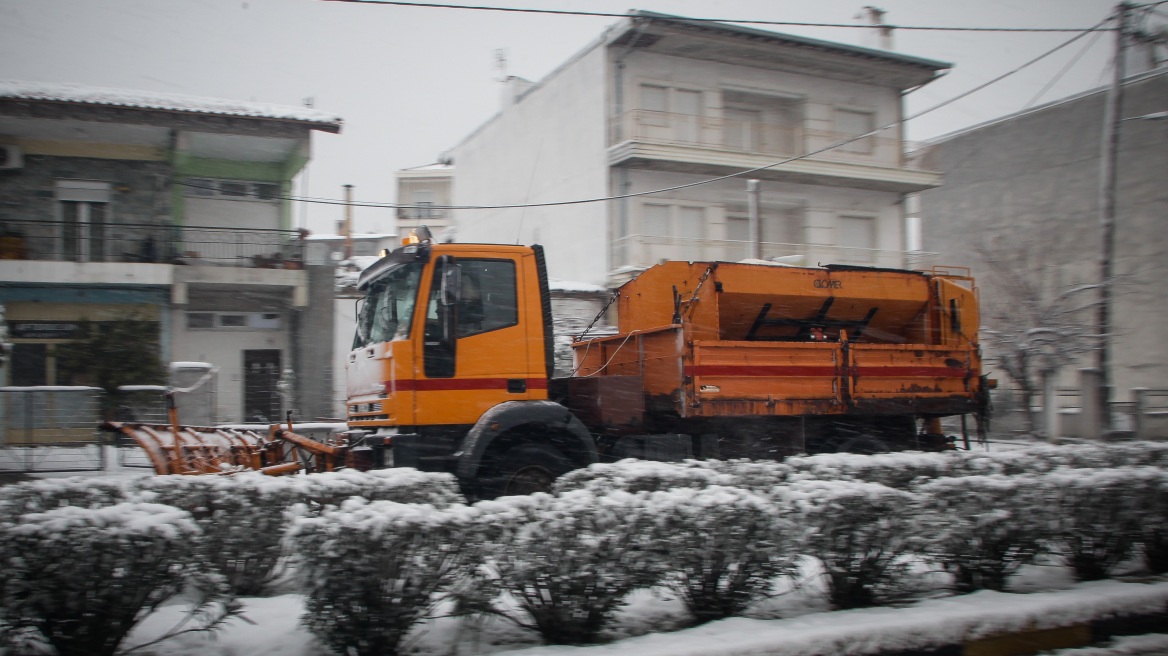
(851, 123)
(231, 189)
(655, 102)
(200, 320)
(388, 307)
(655, 221)
(233, 320)
(84, 213)
(489, 299)
(674, 231)
(742, 129)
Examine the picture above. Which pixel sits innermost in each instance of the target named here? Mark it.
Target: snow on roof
(88, 95)
(570, 286)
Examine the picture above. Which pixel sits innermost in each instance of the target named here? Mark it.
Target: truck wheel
(530, 468)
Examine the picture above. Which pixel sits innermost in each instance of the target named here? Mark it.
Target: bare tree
(1033, 331)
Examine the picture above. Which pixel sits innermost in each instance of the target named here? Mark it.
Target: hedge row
(375, 553)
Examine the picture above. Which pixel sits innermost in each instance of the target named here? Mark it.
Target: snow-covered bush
(862, 533)
(241, 517)
(897, 470)
(562, 565)
(1099, 513)
(981, 529)
(47, 494)
(722, 547)
(1153, 522)
(371, 570)
(755, 475)
(398, 484)
(81, 578)
(633, 475)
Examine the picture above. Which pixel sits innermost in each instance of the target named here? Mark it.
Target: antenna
(501, 63)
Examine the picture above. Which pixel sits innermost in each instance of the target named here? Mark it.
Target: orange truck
(452, 360)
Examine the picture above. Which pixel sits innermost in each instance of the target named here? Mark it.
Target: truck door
(487, 362)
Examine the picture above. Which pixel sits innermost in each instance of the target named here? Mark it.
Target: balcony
(639, 251)
(703, 145)
(150, 254)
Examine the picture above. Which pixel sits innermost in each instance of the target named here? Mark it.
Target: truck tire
(530, 468)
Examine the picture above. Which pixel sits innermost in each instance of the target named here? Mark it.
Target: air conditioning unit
(11, 157)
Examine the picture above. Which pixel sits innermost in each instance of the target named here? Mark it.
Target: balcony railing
(647, 250)
(755, 138)
(144, 243)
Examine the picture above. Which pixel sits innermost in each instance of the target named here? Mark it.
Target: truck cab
(450, 364)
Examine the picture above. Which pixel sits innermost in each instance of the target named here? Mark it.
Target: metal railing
(646, 250)
(60, 241)
(50, 429)
(756, 138)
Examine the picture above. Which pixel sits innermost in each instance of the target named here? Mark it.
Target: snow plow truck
(452, 362)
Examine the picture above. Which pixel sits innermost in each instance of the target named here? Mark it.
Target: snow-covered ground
(796, 622)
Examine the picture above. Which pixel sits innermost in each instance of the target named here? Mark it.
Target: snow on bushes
(81, 578)
(632, 475)
(371, 570)
(862, 534)
(897, 470)
(561, 566)
(241, 517)
(47, 494)
(722, 547)
(400, 484)
(981, 529)
(1099, 514)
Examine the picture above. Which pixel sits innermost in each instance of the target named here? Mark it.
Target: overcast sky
(411, 82)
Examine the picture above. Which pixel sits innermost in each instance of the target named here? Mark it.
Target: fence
(146, 243)
(1144, 417)
(44, 429)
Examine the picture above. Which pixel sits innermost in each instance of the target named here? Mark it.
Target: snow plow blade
(193, 450)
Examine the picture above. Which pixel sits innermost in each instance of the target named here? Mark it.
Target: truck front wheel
(530, 468)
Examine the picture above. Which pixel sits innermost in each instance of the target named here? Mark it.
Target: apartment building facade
(661, 115)
(172, 212)
(424, 195)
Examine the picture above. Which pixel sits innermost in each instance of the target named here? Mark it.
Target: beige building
(423, 194)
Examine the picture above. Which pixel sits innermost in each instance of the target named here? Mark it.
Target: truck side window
(489, 296)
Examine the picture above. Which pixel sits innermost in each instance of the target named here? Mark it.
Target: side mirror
(451, 282)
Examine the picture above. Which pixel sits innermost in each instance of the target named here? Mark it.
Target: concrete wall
(549, 146)
(315, 363)
(1024, 191)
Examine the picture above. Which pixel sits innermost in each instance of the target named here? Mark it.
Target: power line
(838, 144)
(603, 14)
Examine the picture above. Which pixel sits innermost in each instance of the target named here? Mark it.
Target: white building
(661, 102)
(423, 194)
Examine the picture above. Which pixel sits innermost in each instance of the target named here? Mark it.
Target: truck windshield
(389, 306)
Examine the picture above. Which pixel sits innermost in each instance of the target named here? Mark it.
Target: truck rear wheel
(530, 468)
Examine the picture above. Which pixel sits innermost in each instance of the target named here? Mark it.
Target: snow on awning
(89, 95)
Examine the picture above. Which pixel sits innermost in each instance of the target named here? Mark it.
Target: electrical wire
(1074, 60)
(729, 176)
(604, 14)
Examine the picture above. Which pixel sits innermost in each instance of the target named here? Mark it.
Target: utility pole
(755, 219)
(348, 221)
(1109, 156)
